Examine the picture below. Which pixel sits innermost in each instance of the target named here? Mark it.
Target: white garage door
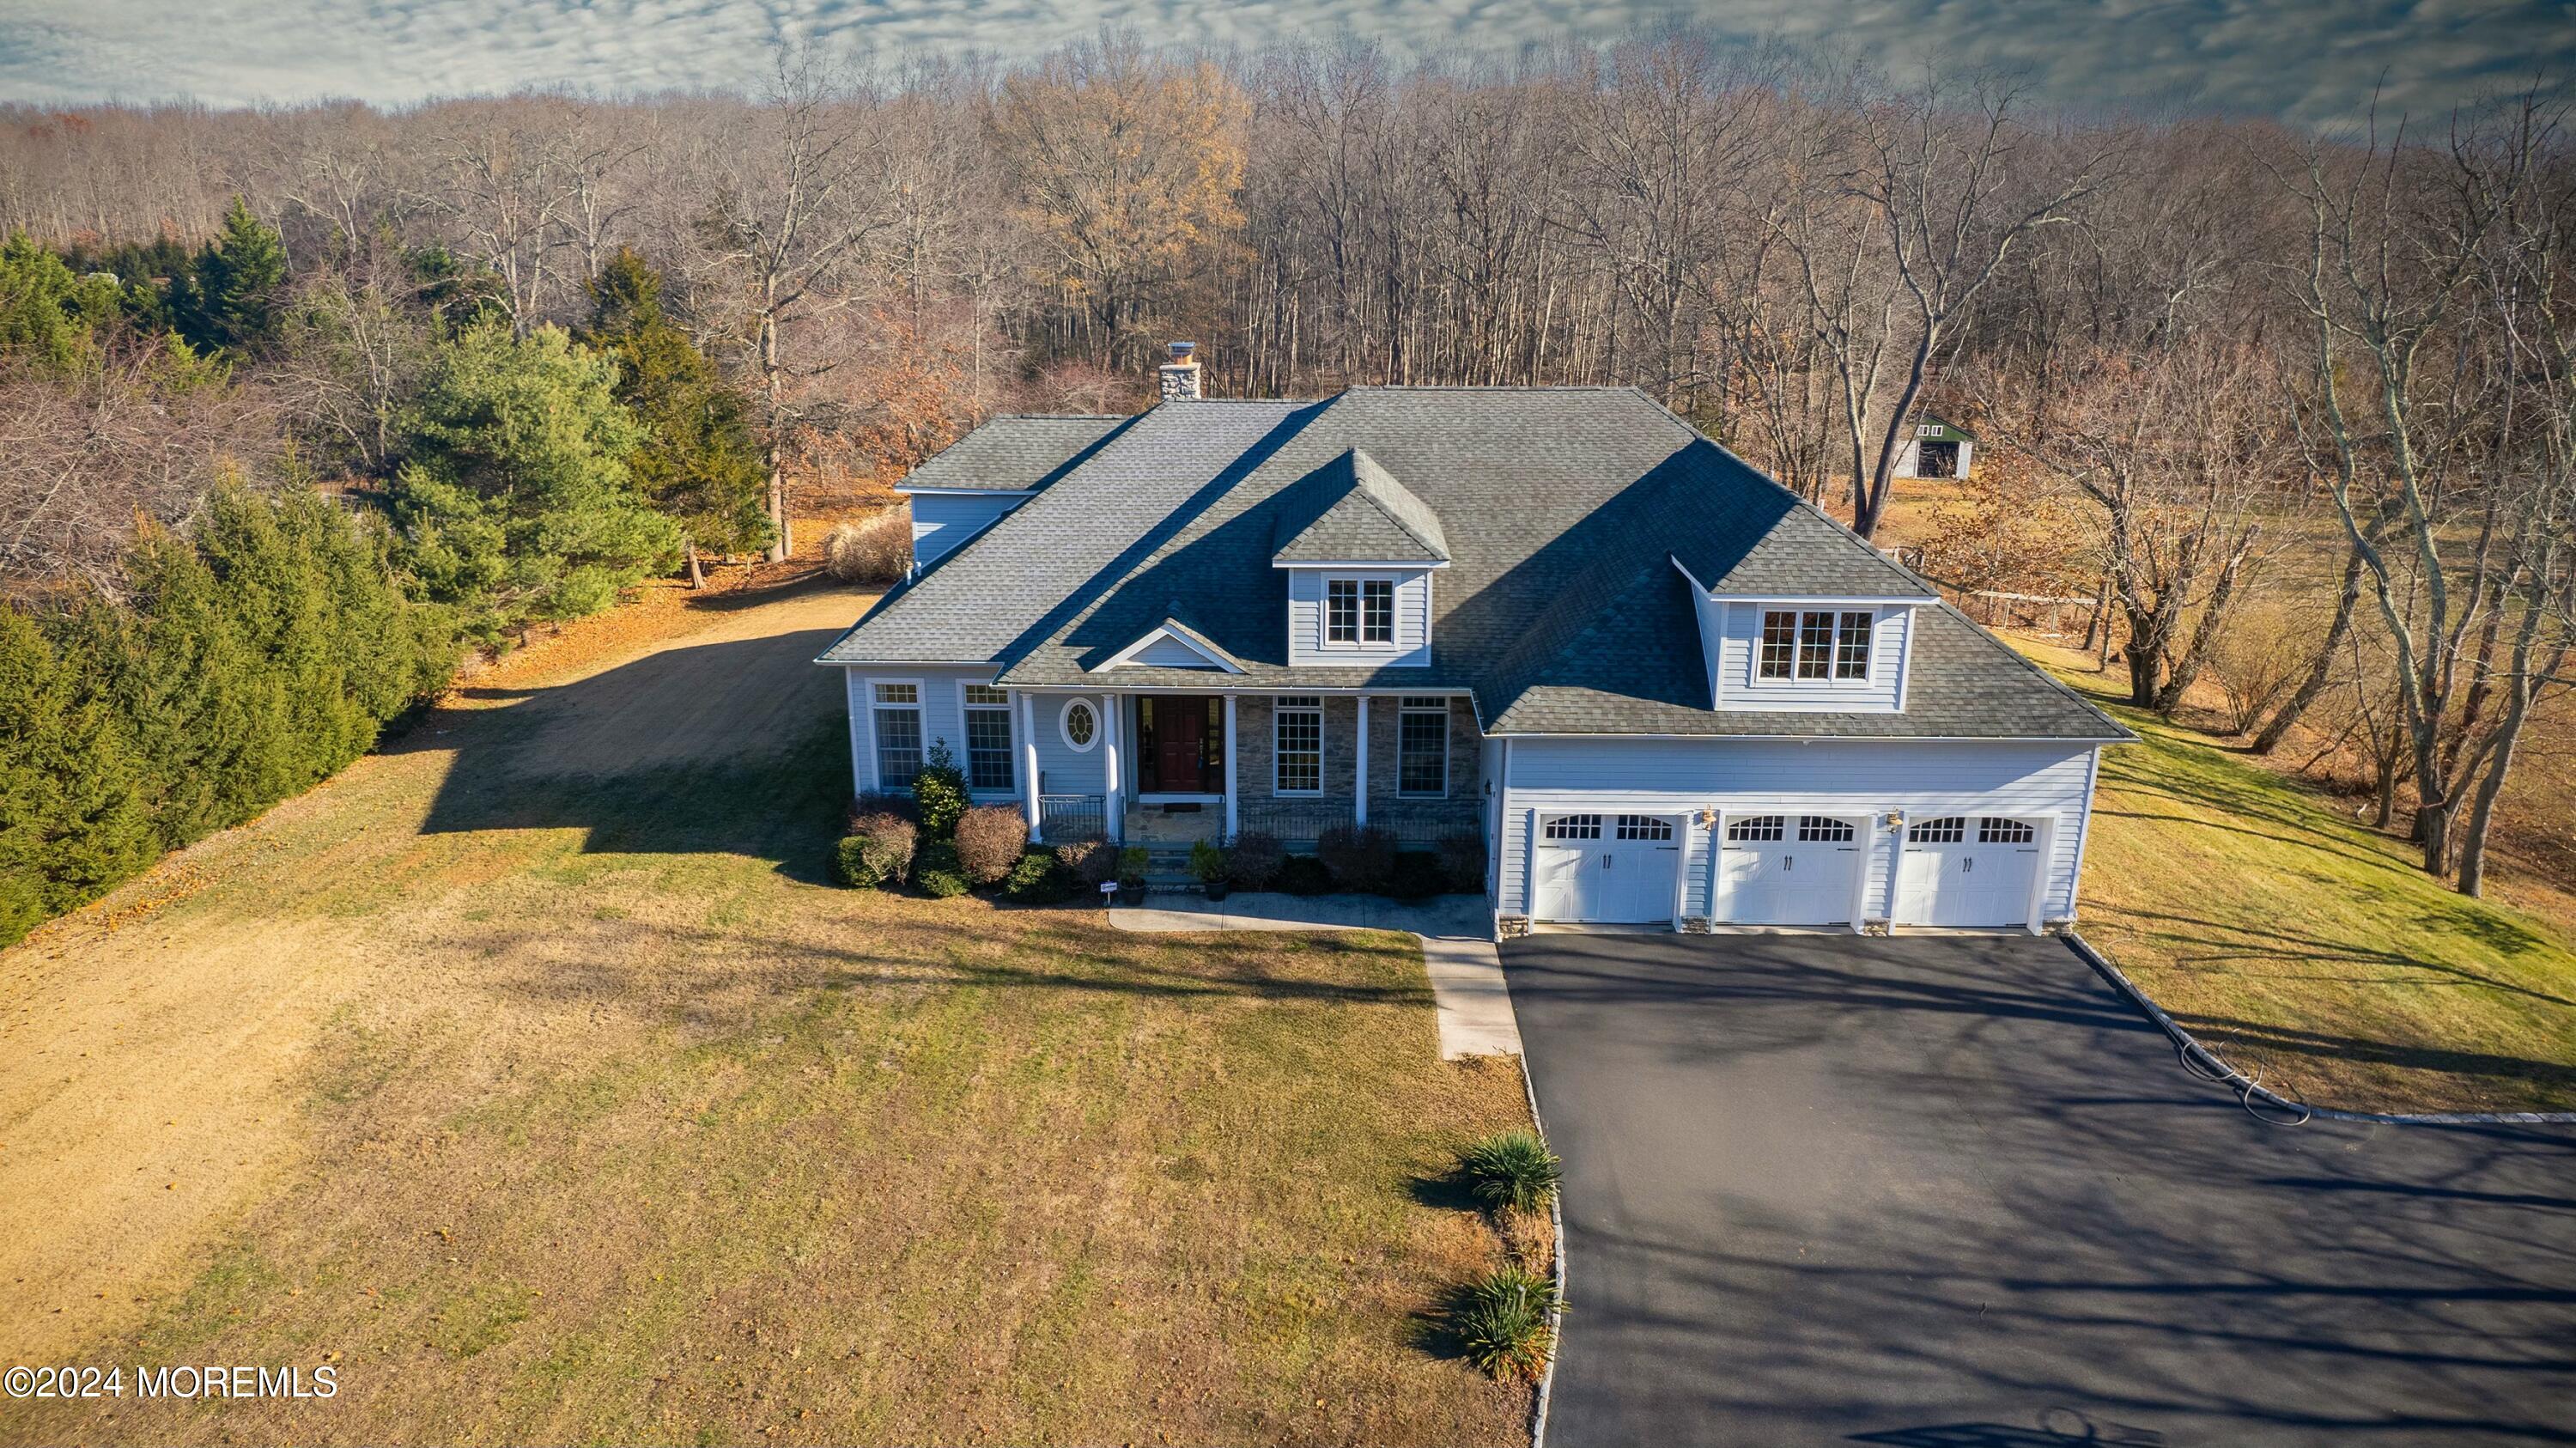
(1967, 871)
(1606, 868)
(1788, 870)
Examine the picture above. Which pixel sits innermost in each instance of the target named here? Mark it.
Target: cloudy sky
(2311, 61)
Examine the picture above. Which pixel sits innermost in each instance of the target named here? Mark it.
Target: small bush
(1511, 1169)
(1361, 857)
(1209, 864)
(885, 849)
(1501, 1322)
(1131, 867)
(1039, 879)
(1091, 863)
(990, 840)
(850, 862)
(1305, 875)
(1256, 859)
(1417, 875)
(872, 550)
(1462, 862)
(939, 792)
(935, 871)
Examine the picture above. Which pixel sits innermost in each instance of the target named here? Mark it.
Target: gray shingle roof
(1013, 452)
(1367, 517)
(1562, 510)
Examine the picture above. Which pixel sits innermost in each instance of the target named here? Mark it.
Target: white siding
(1922, 778)
(941, 521)
(1170, 653)
(1712, 638)
(1062, 769)
(1412, 646)
(942, 719)
(1739, 643)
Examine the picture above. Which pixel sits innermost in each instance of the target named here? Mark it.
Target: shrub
(1209, 864)
(1255, 860)
(1462, 863)
(1039, 879)
(1511, 1169)
(1305, 875)
(935, 871)
(889, 842)
(990, 840)
(1501, 1322)
(1131, 867)
(1417, 875)
(939, 792)
(872, 550)
(1361, 857)
(1092, 863)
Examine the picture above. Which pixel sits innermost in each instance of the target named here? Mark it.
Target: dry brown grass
(529, 1074)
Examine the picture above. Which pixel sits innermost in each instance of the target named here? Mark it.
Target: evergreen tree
(698, 463)
(71, 824)
(515, 500)
(49, 317)
(239, 285)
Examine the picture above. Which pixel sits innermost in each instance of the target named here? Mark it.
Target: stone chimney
(1181, 374)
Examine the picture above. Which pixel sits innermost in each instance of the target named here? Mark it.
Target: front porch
(1173, 769)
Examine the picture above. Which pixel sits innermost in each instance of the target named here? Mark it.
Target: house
(1656, 685)
(1936, 450)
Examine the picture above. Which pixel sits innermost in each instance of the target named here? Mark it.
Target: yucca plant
(1511, 1169)
(1501, 1322)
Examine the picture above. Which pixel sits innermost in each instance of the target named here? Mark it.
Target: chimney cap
(1181, 351)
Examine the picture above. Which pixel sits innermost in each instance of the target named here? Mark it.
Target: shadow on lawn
(2214, 943)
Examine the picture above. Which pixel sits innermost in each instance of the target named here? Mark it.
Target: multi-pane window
(898, 727)
(1994, 831)
(1817, 644)
(1851, 647)
(988, 737)
(1573, 827)
(1297, 744)
(1756, 830)
(1823, 829)
(1359, 611)
(1422, 746)
(1644, 827)
(1947, 830)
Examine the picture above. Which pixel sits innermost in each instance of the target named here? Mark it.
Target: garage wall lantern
(1895, 819)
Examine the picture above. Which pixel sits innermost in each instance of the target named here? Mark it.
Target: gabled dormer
(1805, 653)
(1359, 551)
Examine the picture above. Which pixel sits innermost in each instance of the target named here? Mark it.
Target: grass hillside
(2294, 938)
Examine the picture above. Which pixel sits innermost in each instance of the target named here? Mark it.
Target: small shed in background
(1937, 450)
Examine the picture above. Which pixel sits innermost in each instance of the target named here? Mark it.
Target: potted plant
(1210, 864)
(1131, 875)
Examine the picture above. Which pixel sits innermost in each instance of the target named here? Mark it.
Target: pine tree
(515, 501)
(698, 464)
(49, 317)
(71, 822)
(239, 285)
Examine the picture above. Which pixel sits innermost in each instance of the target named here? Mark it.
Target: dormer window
(1815, 644)
(1359, 611)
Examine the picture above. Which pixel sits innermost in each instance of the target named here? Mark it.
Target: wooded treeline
(2299, 412)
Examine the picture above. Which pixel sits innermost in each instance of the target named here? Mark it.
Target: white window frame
(1064, 723)
(1799, 610)
(966, 732)
(1280, 709)
(876, 737)
(1422, 704)
(1361, 643)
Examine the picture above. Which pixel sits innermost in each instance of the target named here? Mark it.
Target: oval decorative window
(1081, 724)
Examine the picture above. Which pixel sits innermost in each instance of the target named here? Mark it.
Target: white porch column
(1359, 785)
(1230, 769)
(1029, 767)
(1113, 735)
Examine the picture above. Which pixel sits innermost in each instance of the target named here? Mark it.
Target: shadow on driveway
(1953, 1192)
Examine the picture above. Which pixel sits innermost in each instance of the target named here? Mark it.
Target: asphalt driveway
(1954, 1192)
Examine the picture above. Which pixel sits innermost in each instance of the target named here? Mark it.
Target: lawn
(530, 1075)
(2278, 928)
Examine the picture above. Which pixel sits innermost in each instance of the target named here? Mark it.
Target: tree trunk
(2293, 708)
(2473, 845)
(697, 575)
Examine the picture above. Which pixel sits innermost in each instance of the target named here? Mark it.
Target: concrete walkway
(1475, 1009)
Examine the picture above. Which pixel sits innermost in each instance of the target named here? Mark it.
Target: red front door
(1179, 745)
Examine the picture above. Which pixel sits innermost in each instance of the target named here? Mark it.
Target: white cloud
(2313, 61)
